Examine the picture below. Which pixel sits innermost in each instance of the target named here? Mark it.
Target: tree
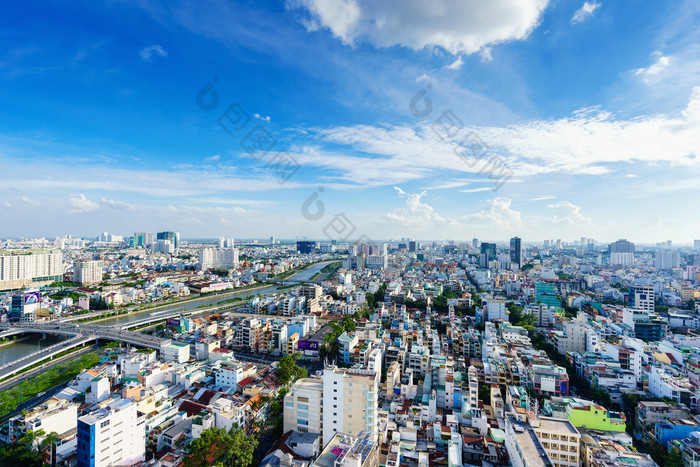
(23, 452)
(210, 447)
(289, 371)
(485, 393)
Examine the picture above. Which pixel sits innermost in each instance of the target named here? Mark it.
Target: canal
(15, 350)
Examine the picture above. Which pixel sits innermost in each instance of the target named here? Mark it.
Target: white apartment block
(54, 415)
(24, 268)
(349, 402)
(229, 374)
(213, 258)
(496, 309)
(111, 435)
(87, 271)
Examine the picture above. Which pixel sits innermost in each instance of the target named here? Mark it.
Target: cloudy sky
(437, 119)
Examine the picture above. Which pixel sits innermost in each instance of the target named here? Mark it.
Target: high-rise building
(143, 239)
(621, 253)
(24, 268)
(341, 401)
(697, 245)
(488, 254)
(173, 237)
(413, 246)
(305, 247)
(515, 251)
(113, 434)
(350, 398)
(664, 260)
(213, 258)
(87, 271)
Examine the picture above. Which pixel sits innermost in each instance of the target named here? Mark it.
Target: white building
(175, 352)
(229, 374)
(496, 309)
(666, 260)
(302, 406)
(111, 435)
(24, 268)
(349, 402)
(214, 258)
(87, 271)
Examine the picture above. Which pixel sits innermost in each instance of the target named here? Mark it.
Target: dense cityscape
(166, 351)
(350, 233)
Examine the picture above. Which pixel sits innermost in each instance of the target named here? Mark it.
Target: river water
(11, 352)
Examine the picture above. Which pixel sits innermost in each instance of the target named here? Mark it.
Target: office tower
(111, 435)
(488, 254)
(30, 268)
(173, 237)
(665, 260)
(87, 271)
(515, 251)
(143, 239)
(272, 240)
(218, 258)
(222, 242)
(306, 247)
(641, 297)
(546, 243)
(413, 246)
(621, 253)
(475, 243)
(697, 245)
(558, 244)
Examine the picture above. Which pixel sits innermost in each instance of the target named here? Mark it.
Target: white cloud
(29, 201)
(589, 142)
(80, 203)
(147, 53)
(265, 118)
(584, 12)
(415, 212)
(649, 74)
(568, 213)
(116, 204)
(6, 204)
(456, 65)
(476, 190)
(213, 158)
(498, 215)
(458, 26)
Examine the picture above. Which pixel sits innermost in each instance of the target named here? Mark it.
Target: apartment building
(111, 435)
(541, 441)
(303, 406)
(350, 399)
(87, 271)
(30, 268)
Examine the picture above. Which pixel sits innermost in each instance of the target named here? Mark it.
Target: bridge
(81, 334)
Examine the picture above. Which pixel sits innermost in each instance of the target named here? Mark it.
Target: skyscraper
(515, 251)
(621, 253)
(174, 237)
(488, 254)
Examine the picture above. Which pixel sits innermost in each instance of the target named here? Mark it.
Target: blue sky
(572, 119)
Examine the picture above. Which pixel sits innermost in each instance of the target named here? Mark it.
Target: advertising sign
(32, 297)
(308, 345)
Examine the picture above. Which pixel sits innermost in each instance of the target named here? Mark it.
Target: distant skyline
(592, 107)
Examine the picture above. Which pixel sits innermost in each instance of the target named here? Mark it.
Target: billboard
(172, 322)
(308, 345)
(32, 297)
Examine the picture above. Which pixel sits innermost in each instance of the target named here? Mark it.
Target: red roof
(245, 382)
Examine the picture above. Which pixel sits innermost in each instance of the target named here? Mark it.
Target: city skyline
(103, 128)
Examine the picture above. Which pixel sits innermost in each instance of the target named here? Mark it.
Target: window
(104, 424)
(302, 406)
(302, 399)
(302, 422)
(302, 415)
